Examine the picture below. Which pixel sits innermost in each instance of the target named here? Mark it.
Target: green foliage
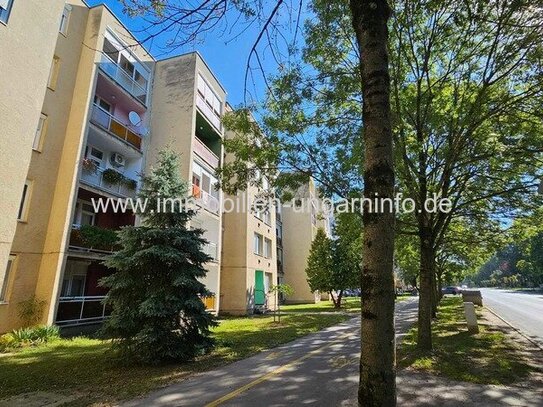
(156, 292)
(97, 237)
(30, 311)
(31, 336)
(320, 263)
(334, 265)
(112, 176)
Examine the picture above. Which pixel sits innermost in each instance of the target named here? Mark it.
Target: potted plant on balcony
(89, 166)
(112, 176)
(94, 237)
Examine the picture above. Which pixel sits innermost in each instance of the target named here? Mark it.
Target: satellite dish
(134, 118)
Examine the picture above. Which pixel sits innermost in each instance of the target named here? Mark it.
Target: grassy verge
(488, 357)
(85, 367)
(349, 304)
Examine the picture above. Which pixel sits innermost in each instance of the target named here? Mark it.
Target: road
(319, 369)
(522, 309)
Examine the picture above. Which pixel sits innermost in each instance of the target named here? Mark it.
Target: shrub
(30, 310)
(98, 238)
(112, 177)
(31, 336)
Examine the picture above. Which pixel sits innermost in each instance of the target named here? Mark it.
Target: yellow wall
(29, 35)
(298, 234)
(239, 262)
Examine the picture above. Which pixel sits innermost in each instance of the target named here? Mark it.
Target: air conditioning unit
(117, 160)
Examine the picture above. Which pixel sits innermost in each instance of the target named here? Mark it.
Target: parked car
(451, 290)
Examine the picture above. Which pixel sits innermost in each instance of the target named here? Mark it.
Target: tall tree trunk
(435, 298)
(378, 348)
(426, 293)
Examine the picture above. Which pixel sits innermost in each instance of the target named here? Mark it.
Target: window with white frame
(267, 248)
(4, 279)
(258, 244)
(96, 155)
(267, 217)
(65, 19)
(40, 132)
(73, 283)
(5, 10)
(23, 207)
(53, 73)
(84, 214)
(204, 180)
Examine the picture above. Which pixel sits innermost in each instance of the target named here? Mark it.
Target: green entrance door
(260, 293)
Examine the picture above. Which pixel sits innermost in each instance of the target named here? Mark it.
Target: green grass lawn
(86, 367)
(487, 357)
(349, 304)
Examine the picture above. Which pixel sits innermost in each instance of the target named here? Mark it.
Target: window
(5, 9)
(258, 243)
(53, 73)
(23, 208)
(5, 279)
(84, 214)
(65, 19)
(40, 132)
(73, 283)
(267, 217)
(95, 155)
(98, 101)
(267, 248)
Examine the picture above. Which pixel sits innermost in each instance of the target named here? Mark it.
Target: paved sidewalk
(319, 369)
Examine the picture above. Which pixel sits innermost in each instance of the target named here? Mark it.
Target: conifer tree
(155, 291)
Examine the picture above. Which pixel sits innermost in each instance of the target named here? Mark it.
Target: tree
(155, 292)
(320, 265)
(368, 21)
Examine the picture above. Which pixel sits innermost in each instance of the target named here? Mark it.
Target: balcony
(94, 177)
(92, 239)
(119, 75)
(81, 310)
(205, 153)
(113, 126)
(205, 199)
(208, 112)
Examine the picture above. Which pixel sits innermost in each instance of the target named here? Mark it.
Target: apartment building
(249, 260)
(188, 103)
(298, 227)
(92, 135)
(28, 32)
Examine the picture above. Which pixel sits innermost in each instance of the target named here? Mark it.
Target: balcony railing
(205, 153)
(81, 310)
(92, 239)
(205, 199)
(208, 112)
(120, 76)
(96, 179)
(106, 121)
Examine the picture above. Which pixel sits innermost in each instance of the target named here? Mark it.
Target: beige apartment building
(249, 258)
(88, 137)
(28, 32)
(188, 103)
(299, 222)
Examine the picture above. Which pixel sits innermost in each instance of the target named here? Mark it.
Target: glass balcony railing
(114, 126)
(123, 78)
(81, 310)
(205, 199)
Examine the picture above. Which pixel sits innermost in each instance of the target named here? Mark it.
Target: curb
(525, 336)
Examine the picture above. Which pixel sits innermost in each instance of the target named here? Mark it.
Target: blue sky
(226, 61)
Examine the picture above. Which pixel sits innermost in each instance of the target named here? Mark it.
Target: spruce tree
(155, 291)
